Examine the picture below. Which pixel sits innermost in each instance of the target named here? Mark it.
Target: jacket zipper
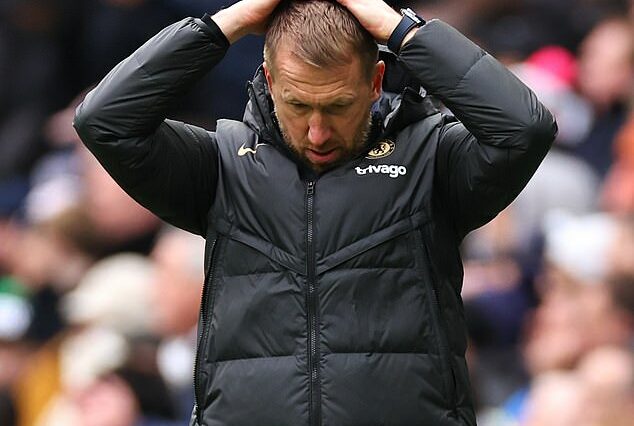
(204, 330)
(439, 330)
(312, 304)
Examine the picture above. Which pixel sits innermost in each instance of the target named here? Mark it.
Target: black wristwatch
(409, 20)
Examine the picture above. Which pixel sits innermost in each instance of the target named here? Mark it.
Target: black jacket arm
(487, 158)
(167, 166)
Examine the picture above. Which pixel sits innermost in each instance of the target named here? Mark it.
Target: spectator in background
(69, 179)
(108, 356)
(108, 401)
(597, 393)
(606, 78)
(617, 194)
(608, 374)
(120, 223)
(582, 308)
(574, 299)
(556, 399)
(176, 295)
(503, 257)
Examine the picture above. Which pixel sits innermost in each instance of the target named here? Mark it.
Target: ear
(377, 80)
(268, 75)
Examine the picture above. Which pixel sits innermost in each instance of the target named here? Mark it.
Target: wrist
(404, 30)
(230, 23)
(391, 22)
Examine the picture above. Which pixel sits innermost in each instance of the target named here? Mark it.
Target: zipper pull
(311, 187)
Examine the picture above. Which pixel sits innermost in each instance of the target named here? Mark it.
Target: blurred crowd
(99, 299)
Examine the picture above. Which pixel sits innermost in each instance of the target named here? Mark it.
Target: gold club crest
(382, 150)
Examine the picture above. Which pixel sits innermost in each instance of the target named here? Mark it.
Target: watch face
(413, 16)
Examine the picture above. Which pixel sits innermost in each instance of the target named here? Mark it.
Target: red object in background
(557, 61)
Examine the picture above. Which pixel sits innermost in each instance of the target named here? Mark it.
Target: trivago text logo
(391, 170)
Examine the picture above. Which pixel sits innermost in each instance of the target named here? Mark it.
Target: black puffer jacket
(333, 299)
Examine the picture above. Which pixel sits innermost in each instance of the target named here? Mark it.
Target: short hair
(320, 32)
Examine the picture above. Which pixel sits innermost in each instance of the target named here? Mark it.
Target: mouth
(322, 157)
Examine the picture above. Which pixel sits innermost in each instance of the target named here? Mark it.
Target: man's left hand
(376, 16)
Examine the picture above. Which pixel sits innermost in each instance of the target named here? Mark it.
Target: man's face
(324, 113)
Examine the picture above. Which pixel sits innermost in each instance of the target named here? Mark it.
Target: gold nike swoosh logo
(243, 150)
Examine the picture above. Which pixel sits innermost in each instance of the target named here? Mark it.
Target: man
(333, 213)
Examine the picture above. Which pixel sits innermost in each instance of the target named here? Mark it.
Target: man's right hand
(245, 17)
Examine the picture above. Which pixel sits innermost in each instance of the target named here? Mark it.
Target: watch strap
(409, 20)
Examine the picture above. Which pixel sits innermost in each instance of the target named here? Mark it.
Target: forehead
(295, 78)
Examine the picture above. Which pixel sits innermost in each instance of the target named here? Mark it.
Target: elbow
(547, 126)
(82, 121)
(543, 129)
(86, 121)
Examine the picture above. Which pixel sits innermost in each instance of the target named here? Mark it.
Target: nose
(319, 131)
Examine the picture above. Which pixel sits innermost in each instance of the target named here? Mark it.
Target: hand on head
(252, 17)
(376, 16)
(245, 17)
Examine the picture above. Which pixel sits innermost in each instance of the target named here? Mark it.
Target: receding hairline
(270, 61)
(321, 33)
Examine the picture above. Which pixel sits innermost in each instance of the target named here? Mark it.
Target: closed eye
(337, 108)
(298, 105)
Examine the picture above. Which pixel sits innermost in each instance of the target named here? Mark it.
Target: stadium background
(98, 299)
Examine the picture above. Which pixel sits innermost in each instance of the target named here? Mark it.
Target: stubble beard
(360, 140)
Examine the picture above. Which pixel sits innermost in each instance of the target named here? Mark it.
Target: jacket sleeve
(167, 166)
(486, 159)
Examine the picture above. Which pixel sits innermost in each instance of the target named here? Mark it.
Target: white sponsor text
(391, 170)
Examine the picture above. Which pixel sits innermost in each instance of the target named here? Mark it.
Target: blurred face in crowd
(572, 318)
(36, 257)
(324, 113)
(608, 372)
(596, 393)
(606, 70)
(107, 402)
(177, 289)
(116, 216)
(556, 399)
(555, 336)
